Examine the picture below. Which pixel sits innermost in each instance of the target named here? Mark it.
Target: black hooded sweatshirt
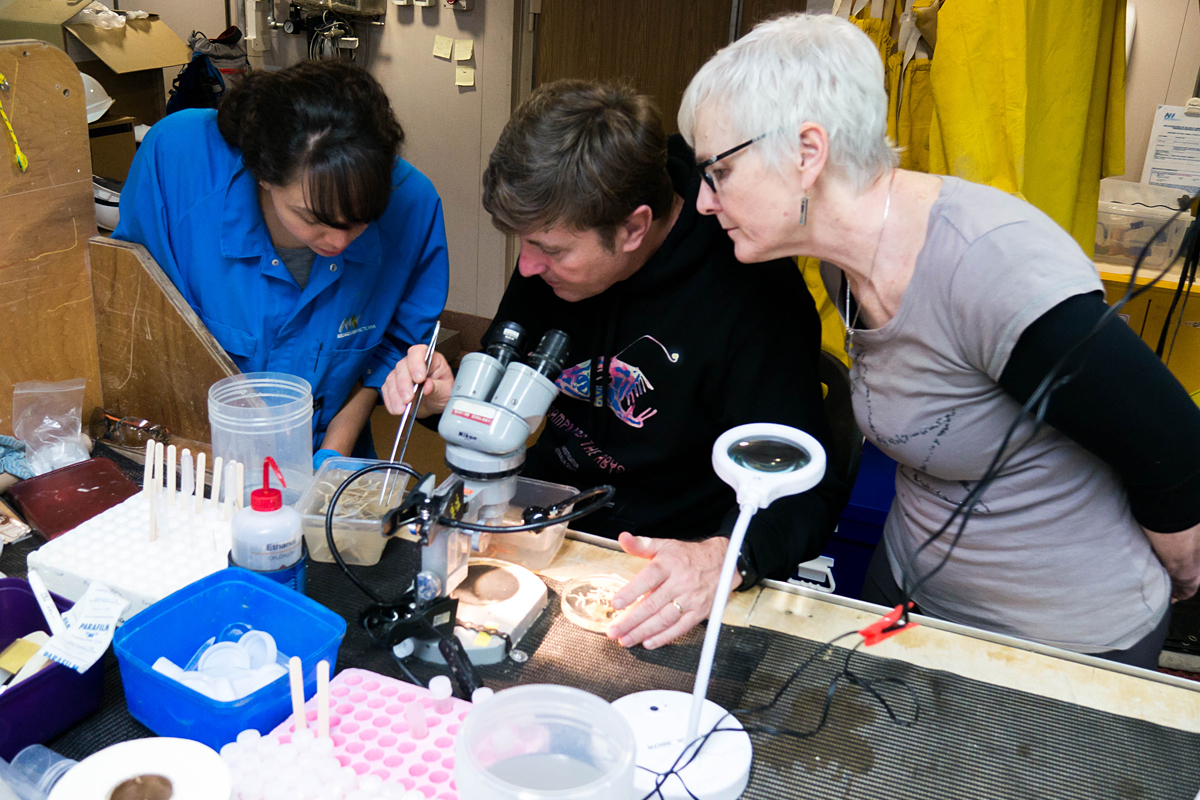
(665, 361)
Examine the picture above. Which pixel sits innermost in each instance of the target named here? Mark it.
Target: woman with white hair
(958, 300)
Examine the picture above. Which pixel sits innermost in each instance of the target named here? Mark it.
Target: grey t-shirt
(1051, 552)
(299, 262)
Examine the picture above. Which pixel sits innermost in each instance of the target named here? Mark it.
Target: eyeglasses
(704, 165)
(126, 431)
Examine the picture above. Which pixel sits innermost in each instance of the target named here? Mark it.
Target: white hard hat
(96, 98)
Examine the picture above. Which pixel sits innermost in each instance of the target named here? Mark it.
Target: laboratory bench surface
(1071, 726)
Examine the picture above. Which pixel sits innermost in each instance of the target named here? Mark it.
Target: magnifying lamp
(762, 462)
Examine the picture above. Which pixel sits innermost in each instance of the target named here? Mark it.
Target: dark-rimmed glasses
(704, 165)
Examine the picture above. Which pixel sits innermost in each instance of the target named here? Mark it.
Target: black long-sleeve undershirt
(1124, 406)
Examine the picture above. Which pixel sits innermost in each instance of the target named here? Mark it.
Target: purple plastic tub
(56, 697)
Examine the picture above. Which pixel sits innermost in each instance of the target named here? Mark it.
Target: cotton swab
(201, 474)
(170, 474)
(322, 699)
(297, 683)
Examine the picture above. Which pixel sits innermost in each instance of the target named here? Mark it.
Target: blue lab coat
(192, 203)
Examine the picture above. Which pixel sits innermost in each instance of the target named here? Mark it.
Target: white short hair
(795, 69)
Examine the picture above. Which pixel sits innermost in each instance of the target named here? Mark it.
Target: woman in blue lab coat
(290, 224)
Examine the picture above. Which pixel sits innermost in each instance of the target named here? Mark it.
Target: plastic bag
(47, 417)
(99, 16)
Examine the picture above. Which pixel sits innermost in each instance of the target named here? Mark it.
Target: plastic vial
(266, 536)
(481, 695)
(441, 690)
(414, 715)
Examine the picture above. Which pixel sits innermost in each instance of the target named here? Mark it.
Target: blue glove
(320, 456)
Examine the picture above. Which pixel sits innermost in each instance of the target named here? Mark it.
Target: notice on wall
(442, 45)
(1173, 155)
(464, 49)
(464, 76)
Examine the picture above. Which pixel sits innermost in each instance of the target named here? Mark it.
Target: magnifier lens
(768, 454)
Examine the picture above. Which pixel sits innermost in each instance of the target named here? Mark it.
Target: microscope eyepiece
(551, 354)
(505, 342)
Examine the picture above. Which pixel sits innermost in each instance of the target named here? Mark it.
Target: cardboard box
(127, 61)
(113, 146)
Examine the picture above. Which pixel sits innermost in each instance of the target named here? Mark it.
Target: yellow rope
(18, 157)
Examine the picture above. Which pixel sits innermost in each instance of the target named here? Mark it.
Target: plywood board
(157, 360)
(48, 213)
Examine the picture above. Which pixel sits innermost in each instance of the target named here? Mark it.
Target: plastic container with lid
(266, 536)
(545, 741)
(262, 414)
(1128, 217)
(41, 767)
(530, 549)
(358, 526)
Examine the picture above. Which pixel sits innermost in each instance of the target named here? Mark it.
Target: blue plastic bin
(177, 625)
(861, 525)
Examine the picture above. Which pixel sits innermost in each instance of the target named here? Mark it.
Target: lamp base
(659, 718)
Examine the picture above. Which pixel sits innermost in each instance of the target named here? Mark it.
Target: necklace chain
(850, 324)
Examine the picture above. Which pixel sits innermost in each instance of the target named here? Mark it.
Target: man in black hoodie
(672, 343)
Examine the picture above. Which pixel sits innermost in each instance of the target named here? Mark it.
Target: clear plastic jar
(545, 741)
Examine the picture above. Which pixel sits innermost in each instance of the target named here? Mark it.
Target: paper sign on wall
(1173, 153)
(464, 49)
(464, 76)
(442, 46)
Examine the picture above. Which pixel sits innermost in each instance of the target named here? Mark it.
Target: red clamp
(887, 626)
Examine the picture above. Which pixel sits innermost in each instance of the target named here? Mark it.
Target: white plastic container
(262, 414)
(267, 535)
(545, 741)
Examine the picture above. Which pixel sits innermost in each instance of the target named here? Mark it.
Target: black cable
(383, 465)
(603, 493)
(1191, 248)
(692, 750)
(1039, 400)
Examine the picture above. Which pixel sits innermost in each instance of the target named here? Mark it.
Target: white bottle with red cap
(267, 535)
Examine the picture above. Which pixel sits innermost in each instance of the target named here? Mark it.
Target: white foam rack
(115, 549)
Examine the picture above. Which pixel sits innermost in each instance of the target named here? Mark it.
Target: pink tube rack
(370, 735)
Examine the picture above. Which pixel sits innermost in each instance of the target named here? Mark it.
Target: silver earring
(803, 220)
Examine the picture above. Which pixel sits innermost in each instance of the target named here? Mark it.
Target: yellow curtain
(833, 331)
(1030, 98)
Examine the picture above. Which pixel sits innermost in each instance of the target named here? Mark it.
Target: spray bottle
(267, 535)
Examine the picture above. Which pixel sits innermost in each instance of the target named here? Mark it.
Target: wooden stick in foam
(148, 469)
(323, 699)
(201, 474)
(296, 680)
(187, 477)
(170, 474)
(230, 489)
(214, 500)
(156, 482)
(240, 498)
